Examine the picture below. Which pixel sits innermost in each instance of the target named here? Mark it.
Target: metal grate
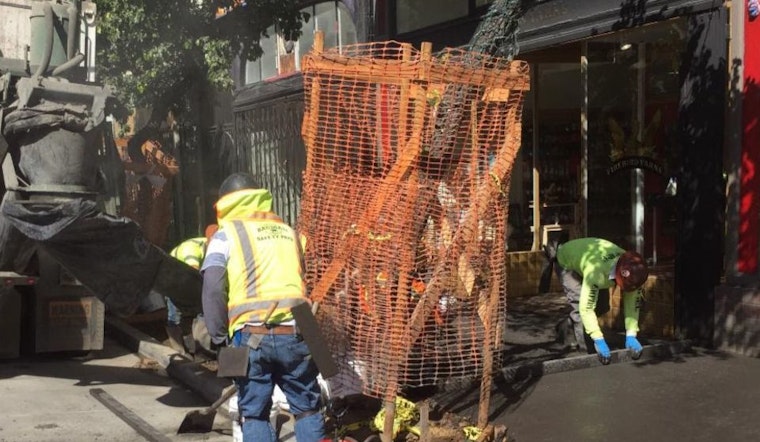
(269, 146)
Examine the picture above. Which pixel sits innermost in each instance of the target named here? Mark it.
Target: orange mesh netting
(148, 189)
(409, 156)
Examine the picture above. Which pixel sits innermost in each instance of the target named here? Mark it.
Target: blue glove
(633, 344)
(602, 351)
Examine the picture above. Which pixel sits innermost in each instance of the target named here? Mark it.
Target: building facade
(641, 127)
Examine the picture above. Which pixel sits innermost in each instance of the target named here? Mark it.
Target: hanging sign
(637, 162)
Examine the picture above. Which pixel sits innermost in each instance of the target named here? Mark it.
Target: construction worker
(253, 263)
(587, 265)
(191, 252)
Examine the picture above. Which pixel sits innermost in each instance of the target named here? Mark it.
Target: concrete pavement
(49, 399)
(545, 393)
(195, 375)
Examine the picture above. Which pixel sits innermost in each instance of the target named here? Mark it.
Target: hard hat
(238, 181)
(631, 271)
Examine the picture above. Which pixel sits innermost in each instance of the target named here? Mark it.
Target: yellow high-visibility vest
(190, 252)
(264, 265)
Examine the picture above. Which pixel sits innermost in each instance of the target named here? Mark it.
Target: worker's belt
(271, 329)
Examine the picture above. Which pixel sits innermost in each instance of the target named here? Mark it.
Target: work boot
(176, 338)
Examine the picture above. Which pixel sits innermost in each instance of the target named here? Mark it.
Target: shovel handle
(224, 397)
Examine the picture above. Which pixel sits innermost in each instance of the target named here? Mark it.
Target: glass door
(632, 110)
(612, 115)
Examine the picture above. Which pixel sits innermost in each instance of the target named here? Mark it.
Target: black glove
(216, 348)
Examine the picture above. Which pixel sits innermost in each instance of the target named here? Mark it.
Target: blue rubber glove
(603, 351)
(633, 344)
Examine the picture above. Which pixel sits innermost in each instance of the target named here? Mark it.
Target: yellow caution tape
(406, 416)
(472, 433)
(497, 182)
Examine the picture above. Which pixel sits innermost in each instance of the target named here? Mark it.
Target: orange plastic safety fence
(409, 156)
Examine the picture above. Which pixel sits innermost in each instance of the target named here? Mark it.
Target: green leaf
(172, 46)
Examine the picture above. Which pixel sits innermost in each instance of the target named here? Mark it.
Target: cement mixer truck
(66, 257)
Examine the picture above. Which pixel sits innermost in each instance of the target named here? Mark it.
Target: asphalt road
(696, 396)
(51, 399)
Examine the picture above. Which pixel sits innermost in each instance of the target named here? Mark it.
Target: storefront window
(269, 58)
(282, 57)
(346, 26)
(633, 95)
(631, 108)
(326, 20)
(520, 222)
(417, 14)
(560, 95)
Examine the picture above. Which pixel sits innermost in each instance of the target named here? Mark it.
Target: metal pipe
(71, 41)
(60, 69)
(45, 62)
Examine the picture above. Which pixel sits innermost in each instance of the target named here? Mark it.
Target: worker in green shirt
(587, 265)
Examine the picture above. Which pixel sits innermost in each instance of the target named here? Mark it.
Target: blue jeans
(283, 360)
(173, 315)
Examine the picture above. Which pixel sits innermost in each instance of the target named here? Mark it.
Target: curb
(206, 384)
(193, 374)
(657, 351)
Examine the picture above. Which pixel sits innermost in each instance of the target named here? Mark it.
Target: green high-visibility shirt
(594, 259)
(190, 251)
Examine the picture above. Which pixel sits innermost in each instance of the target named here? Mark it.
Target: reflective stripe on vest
(264, 266)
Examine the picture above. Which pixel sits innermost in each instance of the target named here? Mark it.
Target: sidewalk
(195, 375)
(531, 353)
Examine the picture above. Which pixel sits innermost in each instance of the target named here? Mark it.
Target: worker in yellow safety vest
(191, 252)
(253, 263)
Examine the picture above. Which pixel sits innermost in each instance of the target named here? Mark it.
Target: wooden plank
(424, 425)
(315, 340)
(311, 113)
(516, 67)
(390, 414)
(489, 325)
(496, 94)
(403, 111)
(420, 71)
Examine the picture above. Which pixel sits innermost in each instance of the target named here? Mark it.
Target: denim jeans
(283, 360)
(173, 315)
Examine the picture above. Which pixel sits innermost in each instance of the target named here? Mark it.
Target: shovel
(202, 421)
